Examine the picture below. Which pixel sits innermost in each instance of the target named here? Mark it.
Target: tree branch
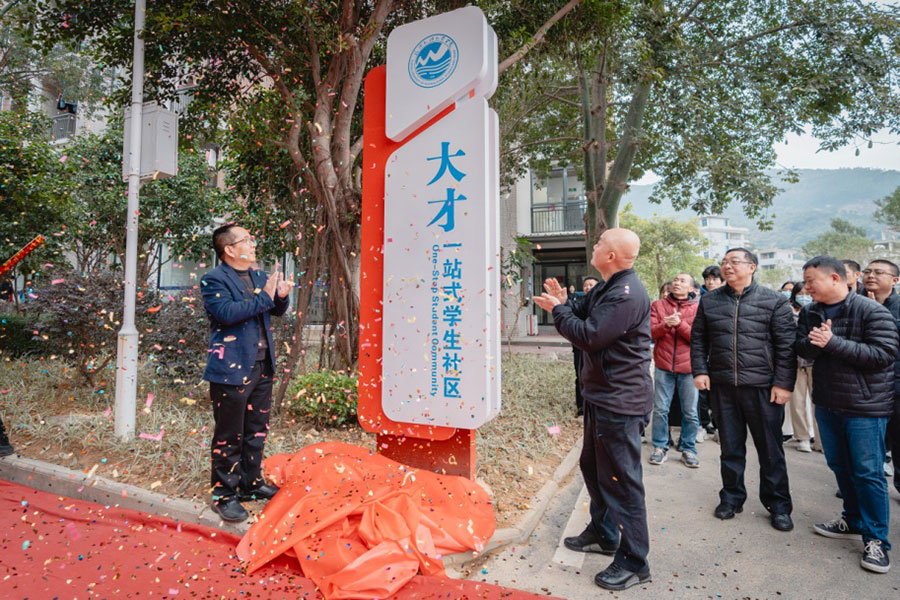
(545, 141)
(563, 100)
(538, 37)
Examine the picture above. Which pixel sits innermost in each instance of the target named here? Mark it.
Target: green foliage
(31, 187)
(843, 241)
(328, 398)
(668, 247)
(177, 211)
(727, 80)
(889, 210)
(17, 336)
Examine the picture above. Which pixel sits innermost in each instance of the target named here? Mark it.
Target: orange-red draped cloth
(361, 525)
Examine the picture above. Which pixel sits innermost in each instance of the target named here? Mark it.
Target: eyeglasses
(734, 263)
(249, 238)
(878, 272)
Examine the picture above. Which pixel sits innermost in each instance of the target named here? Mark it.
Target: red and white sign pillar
(430, 285)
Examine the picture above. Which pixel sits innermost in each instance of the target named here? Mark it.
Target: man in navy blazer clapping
(240, 367)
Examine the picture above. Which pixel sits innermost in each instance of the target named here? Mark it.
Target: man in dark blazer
(240, 367)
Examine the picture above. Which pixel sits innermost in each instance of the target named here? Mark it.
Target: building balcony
(63, 127)
(558, 217)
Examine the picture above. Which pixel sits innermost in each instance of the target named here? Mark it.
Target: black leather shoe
(782, 522)
(617, 577)
(263, 492)
(589, 542)
(727, 511)
(230, 510)
(6, 450)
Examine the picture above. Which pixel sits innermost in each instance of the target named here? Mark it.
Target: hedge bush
(17, 336)
(328, 398)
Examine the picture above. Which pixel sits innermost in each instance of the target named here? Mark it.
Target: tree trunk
(617, 183)
(594, 104)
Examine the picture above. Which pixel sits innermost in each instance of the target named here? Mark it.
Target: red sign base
(454, 456)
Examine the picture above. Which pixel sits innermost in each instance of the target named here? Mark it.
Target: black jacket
(892, 303)
(854, 373)
(611, 325)
(744, 340)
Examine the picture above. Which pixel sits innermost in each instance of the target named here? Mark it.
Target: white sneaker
(701, 436)
(888, 470)
(804, 446)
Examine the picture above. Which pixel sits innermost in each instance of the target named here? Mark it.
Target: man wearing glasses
(240, 367)
(879, 279)
(742, 352)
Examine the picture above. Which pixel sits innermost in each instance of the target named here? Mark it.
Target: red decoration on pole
(18, 256)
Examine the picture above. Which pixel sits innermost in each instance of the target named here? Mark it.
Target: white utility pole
(127, 357)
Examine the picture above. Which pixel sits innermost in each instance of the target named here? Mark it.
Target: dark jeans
(735, 410)
(611, 466)
(242, 420)
(854, 449)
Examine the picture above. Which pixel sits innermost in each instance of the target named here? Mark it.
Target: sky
(802, 152)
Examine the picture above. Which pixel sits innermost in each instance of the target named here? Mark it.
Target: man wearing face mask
(879, 279)
(804, 426)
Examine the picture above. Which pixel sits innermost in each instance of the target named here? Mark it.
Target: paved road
(695, 555)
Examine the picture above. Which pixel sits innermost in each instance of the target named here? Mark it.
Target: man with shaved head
(611, 326)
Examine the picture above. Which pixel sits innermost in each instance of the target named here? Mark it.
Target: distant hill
(802, 210)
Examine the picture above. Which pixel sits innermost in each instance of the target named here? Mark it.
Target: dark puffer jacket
(745, 340)
(611, 325)
(892, 303)
(854, 373)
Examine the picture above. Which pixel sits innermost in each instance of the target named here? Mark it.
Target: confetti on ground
(68, 546)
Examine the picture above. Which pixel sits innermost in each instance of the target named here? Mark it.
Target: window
(704, 223)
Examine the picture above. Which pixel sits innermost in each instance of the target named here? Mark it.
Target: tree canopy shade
(699, 92)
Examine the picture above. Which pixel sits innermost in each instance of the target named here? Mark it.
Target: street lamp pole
(127, 348)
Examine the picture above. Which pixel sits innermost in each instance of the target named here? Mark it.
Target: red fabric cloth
(361, 525)
(672, 340)
(58, 547)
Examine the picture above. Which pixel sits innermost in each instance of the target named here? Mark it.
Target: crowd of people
(734, 354)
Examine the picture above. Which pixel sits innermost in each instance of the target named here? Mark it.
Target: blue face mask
(802, 299)
(786, 294)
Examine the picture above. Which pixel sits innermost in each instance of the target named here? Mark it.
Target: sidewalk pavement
(695, 555)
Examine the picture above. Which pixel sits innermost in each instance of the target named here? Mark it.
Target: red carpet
(57, 547)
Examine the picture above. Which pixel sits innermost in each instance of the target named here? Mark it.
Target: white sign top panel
(430, 63)
(440, 333)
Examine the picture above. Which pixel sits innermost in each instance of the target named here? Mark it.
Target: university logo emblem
(433, 60)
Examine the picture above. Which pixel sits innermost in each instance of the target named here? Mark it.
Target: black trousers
(611, 466)
(703, 408)
(893, 429)
(241, 413)
(735, 410)
(579, 400)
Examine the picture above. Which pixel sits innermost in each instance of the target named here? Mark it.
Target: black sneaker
(587, 541)
(263, 492)
(230, 510)
(875, 558)
(839, 528)
(617, 577)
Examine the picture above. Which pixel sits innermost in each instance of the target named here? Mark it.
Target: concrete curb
(86, 486)
(522, 531)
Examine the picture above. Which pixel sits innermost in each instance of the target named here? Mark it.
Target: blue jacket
(233, 326)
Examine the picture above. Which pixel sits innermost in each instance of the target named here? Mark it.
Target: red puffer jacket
(673, 344)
